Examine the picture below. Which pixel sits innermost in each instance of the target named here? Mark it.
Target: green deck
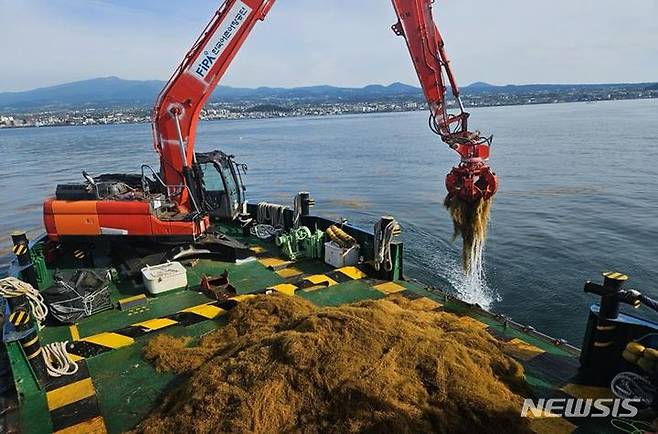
(116, 388)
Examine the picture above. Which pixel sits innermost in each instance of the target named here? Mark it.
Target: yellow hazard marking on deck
(110, 340)
(284, 288)
(70, 393)
(289, 272)
(244, 297)
(353, 273)
(467, 320)
(156, 323)
(272, 262)
(521, 350)
(131, 299)
(605, 328)
(389, 288)
(321, 279)
(584, 392)
(75, 333)
(91, 426)
(75, 357)
(257, 249)
(206, 311)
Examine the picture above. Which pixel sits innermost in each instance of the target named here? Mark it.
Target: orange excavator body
(106, 206)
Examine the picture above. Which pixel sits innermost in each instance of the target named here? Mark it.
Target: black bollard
(22, 321)
(22, 251)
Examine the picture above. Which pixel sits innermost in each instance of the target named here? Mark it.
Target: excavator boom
(178, 106)
(472, 179)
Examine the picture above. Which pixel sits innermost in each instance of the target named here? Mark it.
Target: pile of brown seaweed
(284, 365)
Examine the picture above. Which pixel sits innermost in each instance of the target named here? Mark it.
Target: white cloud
(344, 42)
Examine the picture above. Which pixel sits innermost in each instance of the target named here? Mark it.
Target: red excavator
(191, 190)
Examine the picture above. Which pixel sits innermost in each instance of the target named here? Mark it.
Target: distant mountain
(481, 87)
(116, 92)
(107, 91)
(113, 91)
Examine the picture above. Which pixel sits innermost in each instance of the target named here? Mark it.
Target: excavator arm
(183, 208)
(178, 106)
(177, 110)
(472, 179)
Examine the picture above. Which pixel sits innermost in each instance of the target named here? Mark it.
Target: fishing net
(470, 220)
(281, 364)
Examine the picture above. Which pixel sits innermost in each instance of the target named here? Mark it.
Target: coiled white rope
(57, 360)
(265, 232)
(629, 385)
(383, 238)
(13, 287)
(270, 213)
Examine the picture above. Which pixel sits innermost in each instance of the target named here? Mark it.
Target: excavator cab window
(223, 190)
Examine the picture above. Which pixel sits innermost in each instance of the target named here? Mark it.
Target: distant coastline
(111, 100)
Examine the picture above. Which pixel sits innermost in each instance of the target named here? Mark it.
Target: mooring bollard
(22, 322)
(306, 202)
(22, 251)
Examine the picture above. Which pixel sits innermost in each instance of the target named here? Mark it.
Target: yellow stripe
(33, 355)
(319, 279)
(389, 288)
(272, 262)
(133, 298)
(27, 344)
(156, 323)
(110, 340)
(70, 393)
(91, 426)
(257, 249)
(352, 272)
(75, 334)
(602, 344)
(75, 357)
(289, 272)
(21, 317)
(241, 298)
(284, 288)
(206, 311)
(605, 328)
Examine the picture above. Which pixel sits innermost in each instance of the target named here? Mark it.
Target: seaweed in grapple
(470, 220)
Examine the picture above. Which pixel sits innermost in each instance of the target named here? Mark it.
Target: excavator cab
(222, 189)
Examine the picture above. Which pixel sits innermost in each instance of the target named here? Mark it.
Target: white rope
(57, 360)
(629, 385)
(297, 211)
(265, 232)
(13, 287)
(383, 238)
(270, 213)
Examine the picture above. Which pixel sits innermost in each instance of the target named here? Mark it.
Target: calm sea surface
(577, 196)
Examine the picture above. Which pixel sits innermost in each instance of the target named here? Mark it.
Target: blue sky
(340, 42)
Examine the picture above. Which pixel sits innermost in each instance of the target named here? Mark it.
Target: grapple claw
(472, 180)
